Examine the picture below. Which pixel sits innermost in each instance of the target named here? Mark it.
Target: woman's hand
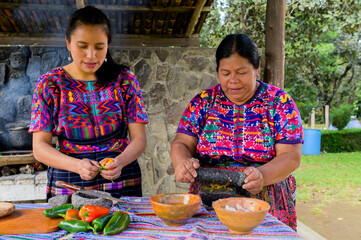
(181, 152)
(186, 172)
(44, 152)
(254, 180)
(87, 169)
(113, 169)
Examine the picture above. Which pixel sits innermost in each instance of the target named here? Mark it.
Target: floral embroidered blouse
(84, 109)
(244, 132)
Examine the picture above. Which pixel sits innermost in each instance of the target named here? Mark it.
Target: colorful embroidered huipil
(76, 109)
(247, 133)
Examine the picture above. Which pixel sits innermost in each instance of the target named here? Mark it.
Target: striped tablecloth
(204, 225)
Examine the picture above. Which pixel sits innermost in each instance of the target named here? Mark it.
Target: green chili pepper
(100, 222)
(53, 212)
(117, 224)
(75, 226)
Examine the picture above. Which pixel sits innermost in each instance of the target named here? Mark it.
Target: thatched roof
(134, 22)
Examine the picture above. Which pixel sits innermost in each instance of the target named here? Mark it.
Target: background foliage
(341, 116)
(323, 55)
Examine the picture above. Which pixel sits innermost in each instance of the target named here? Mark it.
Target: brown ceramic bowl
(240, 221)
(175, 208)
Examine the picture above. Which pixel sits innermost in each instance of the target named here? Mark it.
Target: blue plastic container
(312, 144)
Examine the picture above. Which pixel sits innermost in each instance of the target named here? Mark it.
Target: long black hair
(91, 15)
(240, 44)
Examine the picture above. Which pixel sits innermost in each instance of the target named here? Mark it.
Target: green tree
(238, 16)
(322, 52)
(322, 45)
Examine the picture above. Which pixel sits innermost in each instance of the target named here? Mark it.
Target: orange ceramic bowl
(240, 221)
(175, 208)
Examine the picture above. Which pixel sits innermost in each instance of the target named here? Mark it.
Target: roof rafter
(134, 23)
(195, 17)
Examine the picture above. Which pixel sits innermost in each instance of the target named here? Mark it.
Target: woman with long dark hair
(245, 125)
(91, 105)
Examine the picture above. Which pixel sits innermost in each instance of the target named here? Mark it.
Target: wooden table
(204, 225)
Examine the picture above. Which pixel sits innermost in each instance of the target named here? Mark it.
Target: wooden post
(275, 42)
(313, 118)
(327, 116)
(80, 4)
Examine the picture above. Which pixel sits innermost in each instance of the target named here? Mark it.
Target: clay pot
(20, 138)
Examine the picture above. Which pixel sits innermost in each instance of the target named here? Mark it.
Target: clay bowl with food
(241, 215)
(175, 208)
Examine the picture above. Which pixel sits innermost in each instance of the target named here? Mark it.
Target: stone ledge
(23, 179)
(23, 187)
(41, 178)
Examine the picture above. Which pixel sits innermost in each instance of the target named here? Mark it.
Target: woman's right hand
(186, 172)
(88, 169)
(181, 152)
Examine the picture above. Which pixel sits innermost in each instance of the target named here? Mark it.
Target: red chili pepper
(90, 212)
(36, 165)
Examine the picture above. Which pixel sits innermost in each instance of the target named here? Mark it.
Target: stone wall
(169, 78)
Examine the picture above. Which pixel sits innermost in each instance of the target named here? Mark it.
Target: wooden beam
(195, 16)
(154, 41)
(124, 40)
(17, 159)
(80, 4)
(30, 6)
(43, 7)
(150, 8)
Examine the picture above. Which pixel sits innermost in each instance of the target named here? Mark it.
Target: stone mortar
(59, 200)
(79, 199)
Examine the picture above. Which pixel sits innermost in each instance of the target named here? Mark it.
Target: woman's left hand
(253, 181)
(113, 169)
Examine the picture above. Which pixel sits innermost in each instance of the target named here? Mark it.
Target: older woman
(257, 127)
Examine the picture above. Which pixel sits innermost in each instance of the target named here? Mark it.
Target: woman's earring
(105, 60)
(69, 57)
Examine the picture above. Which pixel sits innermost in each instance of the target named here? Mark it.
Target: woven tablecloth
(204, 225)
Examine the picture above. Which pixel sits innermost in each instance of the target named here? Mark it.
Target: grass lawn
(328, 177)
